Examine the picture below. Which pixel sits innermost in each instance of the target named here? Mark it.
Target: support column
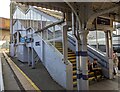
(107, 43)
(11, 23)
(75, 29)
(54, 35)
(78, 63)
(28, 56)
(84, 59)
(73, 23)
(17, 37)
(42, 47)
(110, 55)
(32, 54)
(65, 45)
(32, 43)
(109, 52)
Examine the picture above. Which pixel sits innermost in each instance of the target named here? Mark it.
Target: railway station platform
(41, 79)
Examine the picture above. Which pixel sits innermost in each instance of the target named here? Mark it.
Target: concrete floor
(39, 76)
(10, 82)
(42, 79)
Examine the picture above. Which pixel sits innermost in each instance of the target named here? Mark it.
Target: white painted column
(54, 35)
(42, 47)
(107, 43)
(78, 63)
(84, 59)
(73, 23)
(17, 37)
(32, 43)
(109, 52)
(65, 44)
(110, 55)
(11, 23)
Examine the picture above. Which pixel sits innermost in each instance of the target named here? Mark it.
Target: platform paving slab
(10, 82)
(39, 75)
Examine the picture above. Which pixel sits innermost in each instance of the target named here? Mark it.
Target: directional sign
(22, 39)
(103, 21)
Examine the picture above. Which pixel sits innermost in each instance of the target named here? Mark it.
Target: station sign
(22, 40)
(103, 21)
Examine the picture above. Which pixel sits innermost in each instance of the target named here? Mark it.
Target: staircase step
(71, 54)
(91, 78)
(74, 83)
(74, 72)
(74, 63)
(72, 57)
(74, 77)
(91, 73)
(60, 48)
(73, 60)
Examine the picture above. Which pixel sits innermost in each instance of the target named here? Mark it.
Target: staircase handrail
(51, 25)
(97, 50)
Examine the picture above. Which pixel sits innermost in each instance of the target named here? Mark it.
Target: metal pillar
(32, 44)
(110, 55)
(11, 23)
(110, 44)
(84, 58)
(78, 63)
(75, 32)
(54, 35)
(42, 47)
(73, 23)
(17, 37)
(107, 43)
(109, 51)
(97, 44)
(65, 45)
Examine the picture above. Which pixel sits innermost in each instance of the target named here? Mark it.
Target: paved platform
(39, 76)
(42, 79)
(9, 78)
(107, 84)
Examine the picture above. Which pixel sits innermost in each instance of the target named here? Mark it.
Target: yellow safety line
(34, 86)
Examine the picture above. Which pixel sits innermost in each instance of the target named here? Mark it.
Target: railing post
(54, 35)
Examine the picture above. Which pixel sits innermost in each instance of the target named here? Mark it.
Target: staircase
(72, 59)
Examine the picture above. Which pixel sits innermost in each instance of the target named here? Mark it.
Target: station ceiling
(63, 6)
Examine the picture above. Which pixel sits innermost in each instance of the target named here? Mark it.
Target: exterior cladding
(4, 23)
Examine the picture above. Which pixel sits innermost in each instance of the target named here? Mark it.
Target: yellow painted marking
(91, 73)
(75, 82)
(29, 80)
(74, 71)
(74, 77)
(91, 78)
(72, 60)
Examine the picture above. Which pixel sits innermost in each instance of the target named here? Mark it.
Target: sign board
(37, 43)
(103, 21)
(22, 39)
